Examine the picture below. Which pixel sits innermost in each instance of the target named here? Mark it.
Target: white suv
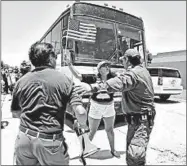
(166, 81)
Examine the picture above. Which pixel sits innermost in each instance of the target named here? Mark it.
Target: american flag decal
(81, 31)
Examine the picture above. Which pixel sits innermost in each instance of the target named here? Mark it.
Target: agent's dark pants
(137, 140)
(30, 150)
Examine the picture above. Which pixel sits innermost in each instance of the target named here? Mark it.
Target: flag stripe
(81, 36)
(88, 30)
(82, 33)
(76, 38)
(91, 28)
(87, 24)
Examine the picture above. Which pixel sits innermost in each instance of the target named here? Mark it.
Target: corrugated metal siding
(173, 53)
(166, 58)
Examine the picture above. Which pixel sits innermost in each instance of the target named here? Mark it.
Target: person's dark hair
(136, 60)
(39, 53)
(25, 67)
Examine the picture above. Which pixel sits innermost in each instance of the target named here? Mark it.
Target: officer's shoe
(115, 154)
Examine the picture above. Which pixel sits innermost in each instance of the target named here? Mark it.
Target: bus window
(56, 36)
(48, 38)
(129, 37)
(65, 21)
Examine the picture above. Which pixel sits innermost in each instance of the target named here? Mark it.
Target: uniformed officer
(39, 99)
(137, 104)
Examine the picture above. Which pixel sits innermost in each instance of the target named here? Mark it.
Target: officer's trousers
(137, 140)
(30, 150)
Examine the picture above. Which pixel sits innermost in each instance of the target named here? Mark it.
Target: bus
(86, 34)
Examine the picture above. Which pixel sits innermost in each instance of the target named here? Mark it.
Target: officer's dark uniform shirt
(42, 96)
(95, 96)
(136, 87)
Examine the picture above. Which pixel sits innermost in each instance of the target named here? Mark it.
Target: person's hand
(82, 88)
(80, 129)
(102, 86)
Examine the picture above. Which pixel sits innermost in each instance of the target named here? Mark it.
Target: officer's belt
(145, 114)
(41, 135)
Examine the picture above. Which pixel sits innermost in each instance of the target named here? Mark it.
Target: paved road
(167, 145)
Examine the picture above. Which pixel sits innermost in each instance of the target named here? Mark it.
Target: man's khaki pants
(30, 150)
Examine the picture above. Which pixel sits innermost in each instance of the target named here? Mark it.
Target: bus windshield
(103, 46)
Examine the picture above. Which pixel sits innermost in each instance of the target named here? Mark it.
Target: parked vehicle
(166, 81)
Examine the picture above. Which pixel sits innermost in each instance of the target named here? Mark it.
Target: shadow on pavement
(169, 101)
(103, 154)
(100, 155)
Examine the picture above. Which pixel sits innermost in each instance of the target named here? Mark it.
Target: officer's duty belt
(40, 135)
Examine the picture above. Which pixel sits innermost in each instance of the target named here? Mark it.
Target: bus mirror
(70, 44)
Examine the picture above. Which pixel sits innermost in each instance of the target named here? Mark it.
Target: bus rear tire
(164, 97)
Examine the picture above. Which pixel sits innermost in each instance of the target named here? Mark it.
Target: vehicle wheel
(164, 97)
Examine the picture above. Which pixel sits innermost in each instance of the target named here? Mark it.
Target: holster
(146, 114)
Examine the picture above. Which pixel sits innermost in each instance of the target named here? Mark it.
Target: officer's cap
(130, 53)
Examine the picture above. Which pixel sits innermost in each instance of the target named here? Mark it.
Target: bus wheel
(164, 97)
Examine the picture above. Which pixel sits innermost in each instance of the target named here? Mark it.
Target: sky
(25, 22)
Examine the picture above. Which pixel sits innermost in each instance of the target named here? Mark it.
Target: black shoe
(115, 154)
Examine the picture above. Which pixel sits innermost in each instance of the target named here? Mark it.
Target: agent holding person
(137, 103)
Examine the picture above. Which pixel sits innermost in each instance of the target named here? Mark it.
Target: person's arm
(74, 71)
(15, 107)
(83, 88)
(76, 104)
(16, 114)
(123, 82)
(90, 79)
(81, 115)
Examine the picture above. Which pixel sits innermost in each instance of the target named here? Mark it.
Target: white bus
(87, 33)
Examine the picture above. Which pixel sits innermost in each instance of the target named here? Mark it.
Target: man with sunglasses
(137, 104)
(39, 99)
